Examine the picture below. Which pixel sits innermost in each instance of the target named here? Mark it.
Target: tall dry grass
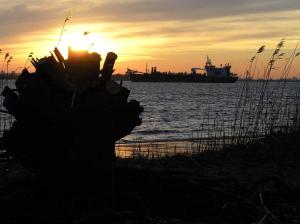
(262, 108)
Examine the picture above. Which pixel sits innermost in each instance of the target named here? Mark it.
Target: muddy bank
(256, 183)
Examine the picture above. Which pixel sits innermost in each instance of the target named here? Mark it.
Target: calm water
(186, 110)
(180, 111)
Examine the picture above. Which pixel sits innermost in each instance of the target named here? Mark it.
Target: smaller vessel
(213, 74)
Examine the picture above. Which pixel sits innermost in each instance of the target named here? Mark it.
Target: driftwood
(68, 114)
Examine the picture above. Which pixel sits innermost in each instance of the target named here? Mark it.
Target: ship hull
(181, 78)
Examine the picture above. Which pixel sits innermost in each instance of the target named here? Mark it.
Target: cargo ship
(212, 74)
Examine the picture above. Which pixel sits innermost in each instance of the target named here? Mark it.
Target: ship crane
(193, 70)
(133, 71)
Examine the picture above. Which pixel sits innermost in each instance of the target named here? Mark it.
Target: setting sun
(92, 42)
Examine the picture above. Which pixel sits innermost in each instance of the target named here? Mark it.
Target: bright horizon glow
(153, 32)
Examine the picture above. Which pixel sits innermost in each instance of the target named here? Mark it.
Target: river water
(177, 111)
(181, 111)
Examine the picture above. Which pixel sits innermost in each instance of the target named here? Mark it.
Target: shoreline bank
(239, 184)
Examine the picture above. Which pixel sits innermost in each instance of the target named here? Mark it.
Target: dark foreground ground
(256, 183)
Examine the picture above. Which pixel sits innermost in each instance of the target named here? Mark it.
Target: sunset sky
(170, 34)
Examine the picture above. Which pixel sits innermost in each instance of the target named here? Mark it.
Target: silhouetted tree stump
(68, 114)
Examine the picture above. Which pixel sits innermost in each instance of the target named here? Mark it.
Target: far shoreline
(124, 77)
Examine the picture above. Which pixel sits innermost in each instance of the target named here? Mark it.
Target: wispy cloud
(157, 10)
(152, 27)
(33, 14)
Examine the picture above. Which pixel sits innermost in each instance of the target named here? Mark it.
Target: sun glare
(87, 41)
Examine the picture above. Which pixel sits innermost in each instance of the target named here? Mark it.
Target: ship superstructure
(212, 74)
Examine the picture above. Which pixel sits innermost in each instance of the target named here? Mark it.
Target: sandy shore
(155, 149)
(161, 148)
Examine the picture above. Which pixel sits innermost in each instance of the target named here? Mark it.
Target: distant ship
(213, 74)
